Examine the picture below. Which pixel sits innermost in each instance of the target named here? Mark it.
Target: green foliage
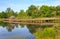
(3, 15)
(45, 11)
(9, 12)
(47, 32)
(58, 10)
(22, 14)
(33, 12)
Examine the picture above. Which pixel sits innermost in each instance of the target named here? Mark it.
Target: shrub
(47, 32)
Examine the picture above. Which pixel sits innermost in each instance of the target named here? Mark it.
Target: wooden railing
(33, 21)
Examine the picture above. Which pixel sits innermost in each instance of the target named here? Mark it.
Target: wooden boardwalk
(41, 19)
(32, 21)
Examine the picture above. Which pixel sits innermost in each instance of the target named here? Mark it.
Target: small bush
(47, 32)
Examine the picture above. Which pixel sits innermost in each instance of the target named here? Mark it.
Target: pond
(20, 31)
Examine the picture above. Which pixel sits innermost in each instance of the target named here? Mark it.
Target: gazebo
(12, 17)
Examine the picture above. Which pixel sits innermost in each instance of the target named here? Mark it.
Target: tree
(22, 14)
(3, 15)
(32, 11)
(53, 11)
(9, 12)
(45, 11)
(58, 10)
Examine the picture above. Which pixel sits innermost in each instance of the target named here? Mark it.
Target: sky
(18, 5)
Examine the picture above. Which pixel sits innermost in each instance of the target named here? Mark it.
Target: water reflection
(14, 31)
(19, 31)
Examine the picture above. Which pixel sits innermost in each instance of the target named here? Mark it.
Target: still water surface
(18, 31)
(15, 31)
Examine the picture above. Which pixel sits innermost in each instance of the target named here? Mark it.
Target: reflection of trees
(8, 26)
(3, 24)
(32, 28)
(22, 25)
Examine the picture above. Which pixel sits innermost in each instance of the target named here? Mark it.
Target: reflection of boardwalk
(35, 23)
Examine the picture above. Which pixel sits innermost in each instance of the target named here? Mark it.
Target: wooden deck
(32, 21)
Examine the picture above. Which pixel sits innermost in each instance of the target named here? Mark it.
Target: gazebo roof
(12, 16)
